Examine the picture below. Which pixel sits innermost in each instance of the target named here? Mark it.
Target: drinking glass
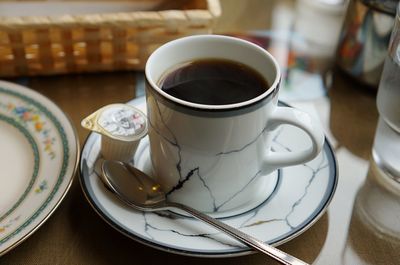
(386, 149)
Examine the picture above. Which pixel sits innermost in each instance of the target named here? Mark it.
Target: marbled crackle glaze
(299, 198)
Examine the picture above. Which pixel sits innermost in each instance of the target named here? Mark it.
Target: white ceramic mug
(216, 158)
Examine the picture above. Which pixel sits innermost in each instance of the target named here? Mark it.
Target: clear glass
(388, 99)
(386, 150)
(375, 220)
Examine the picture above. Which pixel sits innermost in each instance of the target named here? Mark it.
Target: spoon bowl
(143, 193)
(133, 186)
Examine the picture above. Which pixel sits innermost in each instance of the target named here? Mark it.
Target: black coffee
(214, 82)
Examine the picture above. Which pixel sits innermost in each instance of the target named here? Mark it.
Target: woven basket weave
(45, 45)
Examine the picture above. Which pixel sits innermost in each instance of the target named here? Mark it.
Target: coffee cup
(217, 158)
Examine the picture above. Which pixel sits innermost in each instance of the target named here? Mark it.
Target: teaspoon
(142, 193)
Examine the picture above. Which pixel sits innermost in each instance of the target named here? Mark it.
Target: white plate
(299, 199)
(39, 154)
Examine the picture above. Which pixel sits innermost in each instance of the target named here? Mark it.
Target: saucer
(299, 199)
(39, 155)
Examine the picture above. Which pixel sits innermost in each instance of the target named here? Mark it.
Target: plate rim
(68, 180)
(36, 163)
(179, 251)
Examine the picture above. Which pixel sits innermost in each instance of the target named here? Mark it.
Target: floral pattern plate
(299, 199)
(39, 155)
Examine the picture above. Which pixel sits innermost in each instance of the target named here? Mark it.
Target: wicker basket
(45, 45)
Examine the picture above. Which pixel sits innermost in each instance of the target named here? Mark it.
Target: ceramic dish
(299, 199)
(39, 154)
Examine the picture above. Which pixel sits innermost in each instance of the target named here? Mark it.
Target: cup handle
(302, 120)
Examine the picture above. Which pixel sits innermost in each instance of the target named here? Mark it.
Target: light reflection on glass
(374, 231)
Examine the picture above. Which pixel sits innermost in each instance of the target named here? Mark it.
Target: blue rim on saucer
(300, 198)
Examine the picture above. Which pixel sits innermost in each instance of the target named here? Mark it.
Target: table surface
(75, 234)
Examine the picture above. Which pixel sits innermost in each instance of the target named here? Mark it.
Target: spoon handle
(250, 241)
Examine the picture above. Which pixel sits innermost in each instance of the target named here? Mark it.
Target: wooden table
(75, 234)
